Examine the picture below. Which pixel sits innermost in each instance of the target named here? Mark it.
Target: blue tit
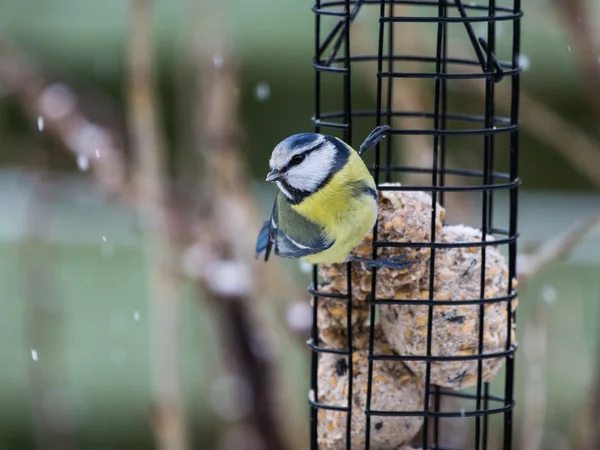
(327, 201)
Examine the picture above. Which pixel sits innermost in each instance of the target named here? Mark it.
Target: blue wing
(267, 235)
(263, 242)
(292, 235)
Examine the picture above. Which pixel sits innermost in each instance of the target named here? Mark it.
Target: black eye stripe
(297, 159)
(303, 155)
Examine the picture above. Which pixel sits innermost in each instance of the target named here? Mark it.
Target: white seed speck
(311, 396)
(40, 123)
(34, 354)
(136, 316)
(97, 153)
(262, 91)
(523, 62)
(569, 48)
(83, 163)
(103, 238)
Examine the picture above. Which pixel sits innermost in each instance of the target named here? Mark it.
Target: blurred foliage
(81, 42)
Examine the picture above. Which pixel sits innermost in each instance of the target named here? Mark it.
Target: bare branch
(149, 146)
(556, 249)
(573, 144)
(231, 276)
(89, 142)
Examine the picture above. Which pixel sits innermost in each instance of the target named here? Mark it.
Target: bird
(327, 201)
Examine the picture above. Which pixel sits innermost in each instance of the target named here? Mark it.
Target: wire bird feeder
(426, 366)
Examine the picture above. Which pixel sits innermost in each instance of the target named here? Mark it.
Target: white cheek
(311, 173)
(283, 190)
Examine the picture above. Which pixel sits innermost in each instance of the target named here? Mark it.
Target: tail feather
(263, 243)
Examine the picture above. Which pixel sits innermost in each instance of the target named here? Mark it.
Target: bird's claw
(394, 262)
(373, 138)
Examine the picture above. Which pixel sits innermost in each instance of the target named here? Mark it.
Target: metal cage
(495, 139)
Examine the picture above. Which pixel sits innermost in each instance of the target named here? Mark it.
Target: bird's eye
(297, 159)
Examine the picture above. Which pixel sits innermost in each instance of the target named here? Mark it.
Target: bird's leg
(373, 139)
(394, 262)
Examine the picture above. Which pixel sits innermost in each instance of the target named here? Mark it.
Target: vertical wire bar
(314, 386)
(488, 145)
(348, 140)
(442, 182)
(444, 108)
(350, 378)
(491, 41)
(374, 249)
(390, 95)
(514, 198)
(486, 397)
(434, 181)
(490, 219)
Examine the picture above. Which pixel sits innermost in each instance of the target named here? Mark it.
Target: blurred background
(135, 141)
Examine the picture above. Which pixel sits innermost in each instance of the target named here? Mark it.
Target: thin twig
(573, 144)
(149, 147)
(231, 273)
(556, 249)
(567, 139)
(556, 132)
(89, 142)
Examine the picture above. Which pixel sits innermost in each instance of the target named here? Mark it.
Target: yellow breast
(346, 216)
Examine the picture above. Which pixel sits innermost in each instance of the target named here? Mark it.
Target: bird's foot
(373, 139)
(394, 262)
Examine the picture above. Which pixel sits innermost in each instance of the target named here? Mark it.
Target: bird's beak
(274, 175)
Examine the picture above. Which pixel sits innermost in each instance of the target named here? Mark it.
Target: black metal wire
(375, 235)
(314, 379)
(333, 55)
(350, 14)
(390, 97)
